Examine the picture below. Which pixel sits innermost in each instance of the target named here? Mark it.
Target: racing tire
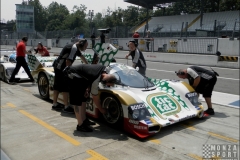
(1, 72)
(114, 114)
(43, 86)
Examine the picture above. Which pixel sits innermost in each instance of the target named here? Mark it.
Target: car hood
(166, 104)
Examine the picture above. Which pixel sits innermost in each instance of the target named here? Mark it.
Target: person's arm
(68, 62)
(127, 55)
(195, 76)
(84, 59)
(136, 58)
(25, 51)
(70, 58)
(196, 82)
(45, 52)
(95, 95)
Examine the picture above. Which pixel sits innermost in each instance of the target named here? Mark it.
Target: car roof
(8, 65)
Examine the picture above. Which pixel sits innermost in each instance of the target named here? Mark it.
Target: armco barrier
(181, 58)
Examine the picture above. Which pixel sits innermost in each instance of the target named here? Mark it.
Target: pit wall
(197, 51)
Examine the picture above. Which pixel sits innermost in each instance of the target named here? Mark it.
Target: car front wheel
(114, 110)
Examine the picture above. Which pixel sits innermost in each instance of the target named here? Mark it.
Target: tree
(56, 16)
(40, 15)
(229, 5)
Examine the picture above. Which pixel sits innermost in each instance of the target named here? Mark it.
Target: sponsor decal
(89, 104)
(148, 121)
(164, 86)
(164, 104)
(191, 94)
(137, 106)
(140, 127)
(133, 121)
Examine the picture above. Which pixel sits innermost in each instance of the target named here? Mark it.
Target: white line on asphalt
(174, 73)
(191, 65)
(178, 64)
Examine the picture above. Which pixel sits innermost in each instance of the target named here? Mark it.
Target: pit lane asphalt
(31, 130)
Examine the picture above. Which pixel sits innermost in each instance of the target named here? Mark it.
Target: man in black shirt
(137, 57)
(102, 37)
(80, 77)
(202, 80)
(93, 37)
(66, 58)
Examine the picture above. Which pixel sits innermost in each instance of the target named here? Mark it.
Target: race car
(7, 66)
(141, 105)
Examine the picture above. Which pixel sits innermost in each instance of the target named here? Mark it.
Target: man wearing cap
(202, 80)
(21, 61)
(80, 77)
(138, 59)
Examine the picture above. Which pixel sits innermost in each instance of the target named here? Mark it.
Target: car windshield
(132, 78)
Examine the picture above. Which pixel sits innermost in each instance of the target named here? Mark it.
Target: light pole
(91, 14)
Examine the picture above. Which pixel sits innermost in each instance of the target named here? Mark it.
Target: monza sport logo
(220, 151)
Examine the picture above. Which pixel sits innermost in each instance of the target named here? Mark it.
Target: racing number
(89, 105)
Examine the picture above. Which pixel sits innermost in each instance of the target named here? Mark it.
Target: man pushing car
(80, 77)
(202, 80)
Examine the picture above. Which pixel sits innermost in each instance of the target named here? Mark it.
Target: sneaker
(88, 122)
(84, 128)
(209, 111)
(68, 110)
(12, 83)
(57, 107)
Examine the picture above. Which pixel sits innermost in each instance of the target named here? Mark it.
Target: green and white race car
(141, 105)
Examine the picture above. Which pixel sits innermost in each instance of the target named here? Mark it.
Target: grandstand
(222, 23)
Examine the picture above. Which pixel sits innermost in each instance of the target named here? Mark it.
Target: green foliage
(57, 17)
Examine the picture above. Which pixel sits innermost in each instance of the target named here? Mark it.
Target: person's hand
(126, 56)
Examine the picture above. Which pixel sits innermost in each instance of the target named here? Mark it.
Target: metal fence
(229, 30)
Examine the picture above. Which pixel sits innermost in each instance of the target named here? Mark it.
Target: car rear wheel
(2, 75)
(114, 110)
(43, 86)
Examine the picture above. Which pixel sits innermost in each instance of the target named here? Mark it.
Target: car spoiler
(35, 63)
(105, 51)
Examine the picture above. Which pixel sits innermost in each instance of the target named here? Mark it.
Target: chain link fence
(213, 29)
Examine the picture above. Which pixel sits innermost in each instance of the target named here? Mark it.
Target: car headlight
(138, 112)
(135, 114)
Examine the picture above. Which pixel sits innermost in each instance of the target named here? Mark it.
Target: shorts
(60, 81)
(77, 89)
(207, 92)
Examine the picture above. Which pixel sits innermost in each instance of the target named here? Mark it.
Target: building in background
(25, 18)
